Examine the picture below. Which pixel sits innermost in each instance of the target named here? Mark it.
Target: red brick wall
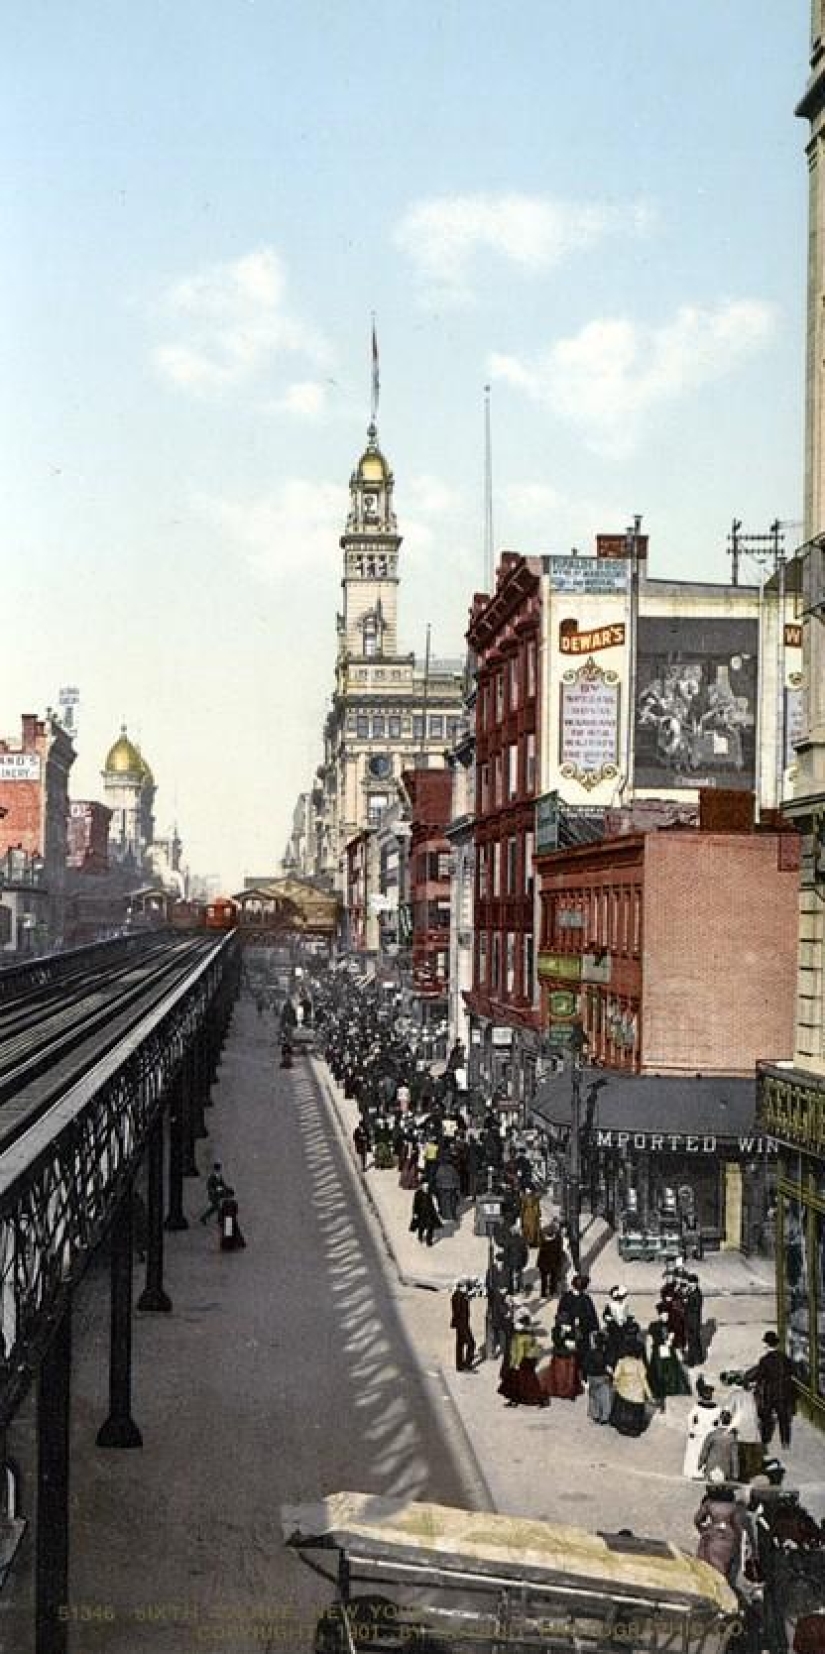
(720, 942)
(23, 825)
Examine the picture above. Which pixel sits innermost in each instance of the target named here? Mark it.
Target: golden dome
(123, 758)
(144, 768)
(372, 466)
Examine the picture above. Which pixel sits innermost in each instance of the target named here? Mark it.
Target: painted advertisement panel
(696, 700)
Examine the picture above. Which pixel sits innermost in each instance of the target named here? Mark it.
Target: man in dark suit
(774, 1393)
(465, 1344)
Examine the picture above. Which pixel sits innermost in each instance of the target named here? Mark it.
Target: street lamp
(578, 1042)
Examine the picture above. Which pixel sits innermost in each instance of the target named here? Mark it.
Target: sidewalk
(557, 1464)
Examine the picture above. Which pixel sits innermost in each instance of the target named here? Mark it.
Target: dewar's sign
(574, 642)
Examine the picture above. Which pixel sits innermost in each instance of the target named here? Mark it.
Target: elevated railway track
(105, 1070)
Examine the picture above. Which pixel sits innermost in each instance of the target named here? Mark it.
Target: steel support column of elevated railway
(120, 1429)
(153, 1296)
(66, 1182)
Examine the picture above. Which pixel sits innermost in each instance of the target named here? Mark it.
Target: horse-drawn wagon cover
(511, 1546)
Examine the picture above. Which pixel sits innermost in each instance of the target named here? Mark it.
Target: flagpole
(376, 385)
(488, 493)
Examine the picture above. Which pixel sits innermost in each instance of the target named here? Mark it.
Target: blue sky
(600, 209)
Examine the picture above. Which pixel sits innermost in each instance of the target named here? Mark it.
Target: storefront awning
(672, 1106)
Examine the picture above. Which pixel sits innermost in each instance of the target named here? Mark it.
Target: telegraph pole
(578, 1041)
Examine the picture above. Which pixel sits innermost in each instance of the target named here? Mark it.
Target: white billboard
(19, 766)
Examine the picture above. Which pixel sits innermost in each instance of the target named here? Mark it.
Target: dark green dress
(665, 1371)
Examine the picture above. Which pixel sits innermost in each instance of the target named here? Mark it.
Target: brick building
(88, 836)
(674, 949)
(34, 807)
(504, 634)
(430, 793)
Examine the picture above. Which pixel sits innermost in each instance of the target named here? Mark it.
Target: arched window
(370, 632)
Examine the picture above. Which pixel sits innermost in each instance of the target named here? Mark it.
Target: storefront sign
(19, 766)
(560, 1034)
(792, 1111)
(570, 918)
(574, 642)
(794, 721)
(596, 967)
(589, 744)
(793, 636)
(596, 575)
(679, 1143)
(621, 545)
(502, 1036)
(566, 965)
(562, 1005)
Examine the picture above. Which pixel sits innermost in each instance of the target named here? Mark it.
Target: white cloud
(610, 376)
(534, 517)
(444, 235)
(306, 398)
(429, 495)
(290, 532)
(233, 323)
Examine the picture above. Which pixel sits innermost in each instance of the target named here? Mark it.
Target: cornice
(813, 98)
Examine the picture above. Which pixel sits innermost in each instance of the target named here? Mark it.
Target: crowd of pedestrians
(420, 1128)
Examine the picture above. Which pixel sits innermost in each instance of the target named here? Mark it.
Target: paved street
(312, 1362)
(284, 1372)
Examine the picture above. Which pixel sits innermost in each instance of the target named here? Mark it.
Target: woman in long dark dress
(519, 1384)
(599, 1377)
(665, 1371)
(562, 1375)
(631, 1391)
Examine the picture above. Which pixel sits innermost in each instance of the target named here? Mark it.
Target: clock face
(380, 765)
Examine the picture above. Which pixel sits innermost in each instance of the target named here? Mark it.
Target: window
(441, 967)
(362, 727)
(512, 865)
(514, 683)
(394, 726)
(496, 849)
(498, 764)
(496, 973)
(418, 726)
(530, 765)
(377, 803)
(499, 696)
(378, 725)
(637, 922)
(531, 668)
(442, 865)
(437, 726)
(528, 864)
(510, 961)
(527, 967)
(453, 727)
(482, 958)
(512, 779)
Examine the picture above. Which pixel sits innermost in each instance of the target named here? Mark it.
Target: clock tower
(370, 545)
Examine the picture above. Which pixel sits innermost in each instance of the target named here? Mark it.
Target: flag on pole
(375, 380)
